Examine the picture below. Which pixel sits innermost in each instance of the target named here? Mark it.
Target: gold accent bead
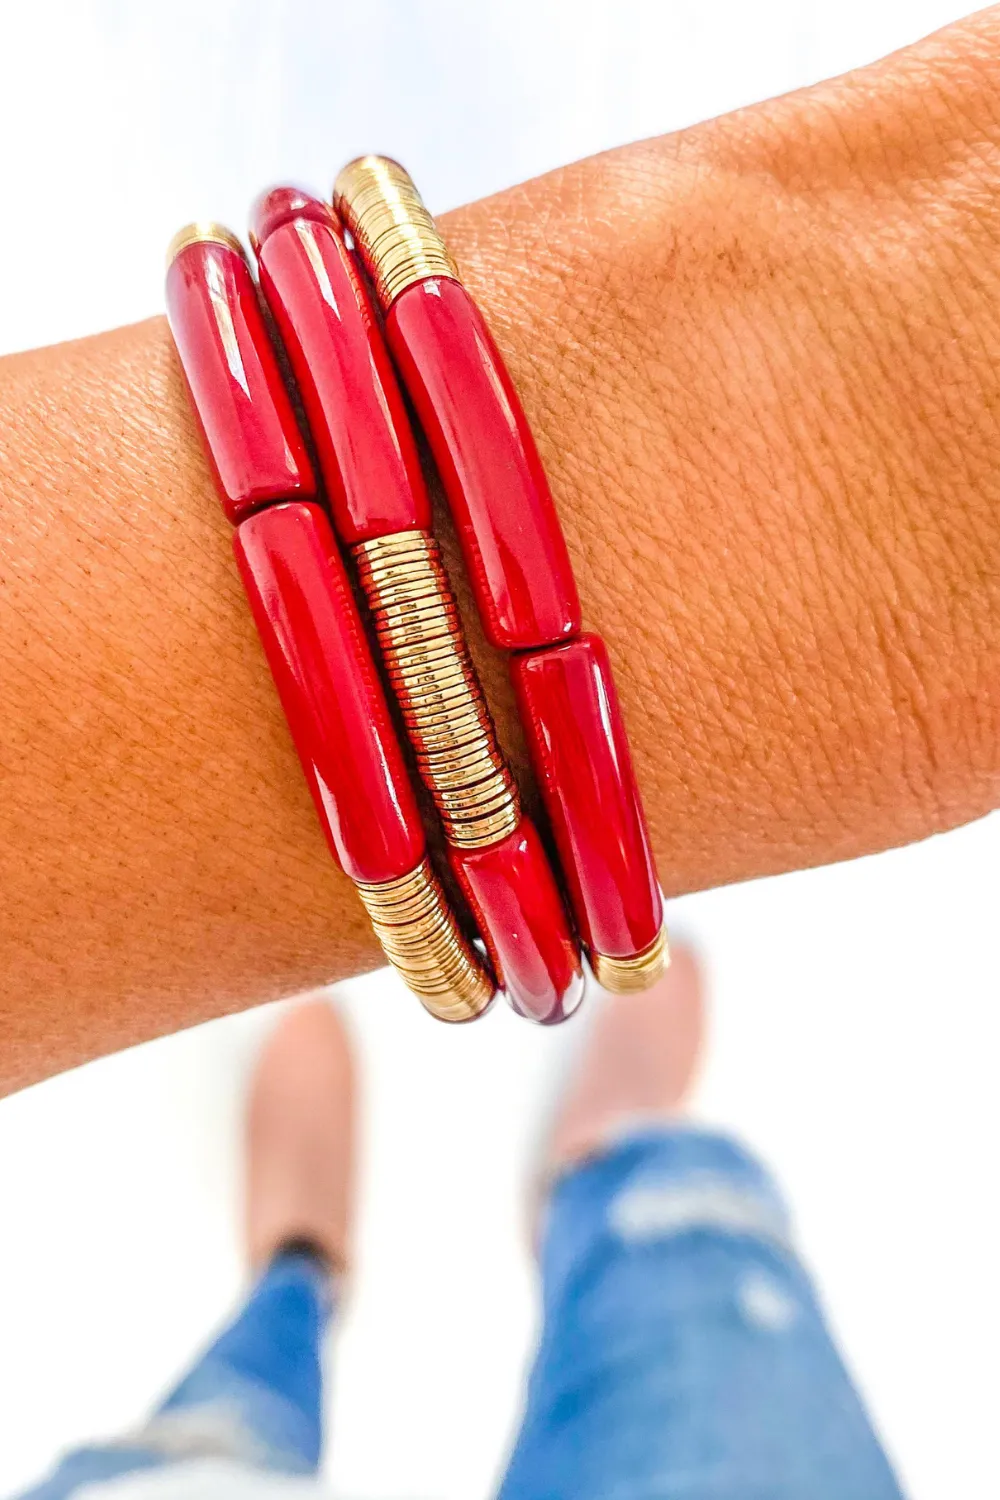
(395, 235)
(428, 664)
(437, 759)
(628, 976)
(203, 232)
(422, 940)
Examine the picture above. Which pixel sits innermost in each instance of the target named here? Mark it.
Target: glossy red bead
(513, 544)
(364, 444)
(313, 639)
(520, 914)
(250, 431)
(573, 723)
(280, 204)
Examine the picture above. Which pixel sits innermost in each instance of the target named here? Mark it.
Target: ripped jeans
(683, 1355)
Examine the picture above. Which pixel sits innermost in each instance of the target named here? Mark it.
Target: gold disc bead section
(422, 940)
(429, 668)
(395, 235)
(629, 976)
(203, 232)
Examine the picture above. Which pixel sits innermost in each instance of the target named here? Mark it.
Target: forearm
(763, 363)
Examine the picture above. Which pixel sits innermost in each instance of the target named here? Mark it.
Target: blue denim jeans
(683, 1354)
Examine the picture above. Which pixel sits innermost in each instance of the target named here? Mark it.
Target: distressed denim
(683, 1354)
(255, 1396)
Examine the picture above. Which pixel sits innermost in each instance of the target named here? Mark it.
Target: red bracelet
(369, 466)
(518, 563)
(308, 622)
(519, 567)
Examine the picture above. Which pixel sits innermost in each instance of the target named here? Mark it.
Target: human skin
(762, 359)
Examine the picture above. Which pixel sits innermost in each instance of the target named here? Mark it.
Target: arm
(763, 362)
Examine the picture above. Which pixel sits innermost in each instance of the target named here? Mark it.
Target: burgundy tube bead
(519, 911)
(513, 544)
(366, 451)
(313, 639)
(253, 440)
(569, 709)
(281, 204)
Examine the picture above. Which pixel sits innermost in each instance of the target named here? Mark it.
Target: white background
(854, 1025)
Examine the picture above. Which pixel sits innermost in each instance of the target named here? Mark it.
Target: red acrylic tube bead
(513, 544)
(279, 205)
(250, 431)
(366, 451)
(322, 667)
(577, 740)
(519, 911)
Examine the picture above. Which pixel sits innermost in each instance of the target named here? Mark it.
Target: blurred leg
(256, 1393)
(255, 1396)
(683, 1352)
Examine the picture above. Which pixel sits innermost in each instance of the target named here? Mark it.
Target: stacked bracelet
(314, 636)
(308, 621)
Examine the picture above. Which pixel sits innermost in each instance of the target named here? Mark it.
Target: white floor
(855, 1017)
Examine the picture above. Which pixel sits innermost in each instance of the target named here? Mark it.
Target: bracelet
(313, 634)
(519, 567)
(309, 623)
(380, 509)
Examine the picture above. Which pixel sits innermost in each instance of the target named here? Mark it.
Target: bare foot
(300, 1137)
(638, 1063)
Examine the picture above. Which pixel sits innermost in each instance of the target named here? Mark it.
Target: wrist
(760, 359)
(763, 379)
(159, 855)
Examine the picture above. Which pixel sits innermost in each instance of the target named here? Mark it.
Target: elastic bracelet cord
(519, 568)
